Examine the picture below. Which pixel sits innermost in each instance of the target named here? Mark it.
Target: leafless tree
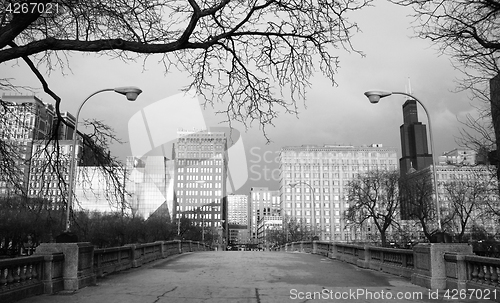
(374, 199)
(418, 202)
(467, 201)
(235, 52)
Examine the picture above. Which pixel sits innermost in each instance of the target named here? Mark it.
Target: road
(247, 276)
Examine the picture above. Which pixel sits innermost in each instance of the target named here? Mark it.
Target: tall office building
(414, 148)
(314, 182)
(263, 202)
(237, 216)
(237, 209)
(200, 181)
(23, 119)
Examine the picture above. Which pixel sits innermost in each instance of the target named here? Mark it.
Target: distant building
(237, 215)
(263, 202)
(458, 157)
(265, 228)
(237, 209)
(45, 178)
(97, 191)
(150, 185)
(314, 184)
(200, 181)
(23, 119)
(414, 148)
(472, 177)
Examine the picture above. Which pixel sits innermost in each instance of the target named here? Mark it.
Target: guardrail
(390, 260)
(71, 266)
(451, 266)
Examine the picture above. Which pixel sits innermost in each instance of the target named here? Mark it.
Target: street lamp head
(293, 184)
(375, 96)
(131, 92)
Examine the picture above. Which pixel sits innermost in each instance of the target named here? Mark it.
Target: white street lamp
(131, 93)
(313, 202)
(374, 97)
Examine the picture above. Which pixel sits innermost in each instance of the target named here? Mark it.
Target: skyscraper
(23, 119)
(263, 202)
(200, 181)
(414, 148)
(237, 216)
(314, 184)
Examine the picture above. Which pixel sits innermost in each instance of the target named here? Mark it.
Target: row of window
(199, 185)
(199, 147)
(316, 162)
(326, 218)
(306, 205)
(47, 192)
(182, 200)
(332, 154)
(205, 162)
(197, 192)
(356, 168)
(198, 155)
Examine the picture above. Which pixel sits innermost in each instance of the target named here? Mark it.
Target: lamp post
(314, 206)
(131, 93)
(374, 97)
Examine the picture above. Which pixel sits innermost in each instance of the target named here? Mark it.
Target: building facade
(237, 216)
(265, 228)
(414, 150)
(458, 157)
(23, 119)
(314, 183)
(463, 191)
(201, 161)
(97, 191)
(263, 202)
(237, 209)
(149, 186)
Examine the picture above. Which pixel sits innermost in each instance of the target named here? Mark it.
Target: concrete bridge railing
(442, 266)
(70, 266)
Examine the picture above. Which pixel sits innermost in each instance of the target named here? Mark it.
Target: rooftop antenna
(408, 89)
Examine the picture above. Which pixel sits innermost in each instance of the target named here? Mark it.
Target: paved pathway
(257, 277)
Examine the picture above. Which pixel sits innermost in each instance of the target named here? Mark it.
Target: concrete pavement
(257, 277)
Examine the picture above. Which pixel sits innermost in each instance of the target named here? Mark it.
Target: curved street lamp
(131, 93)
(292, 185)
(374, 97)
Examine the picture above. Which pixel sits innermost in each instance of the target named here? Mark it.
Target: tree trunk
(383, 238)
(495, 115)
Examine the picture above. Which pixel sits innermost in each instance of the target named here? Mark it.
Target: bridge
(300, 272)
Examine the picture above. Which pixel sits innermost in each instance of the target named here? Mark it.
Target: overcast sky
(340, 115)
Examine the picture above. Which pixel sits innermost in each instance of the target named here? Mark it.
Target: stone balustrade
(70, 266)
(451, 266)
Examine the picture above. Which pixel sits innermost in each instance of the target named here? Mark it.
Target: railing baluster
(474, 270)
(29, 270)
(10, 278)
(22, 273)
(487, 274)
(494, 275)
(3, 277)
(480, 274)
